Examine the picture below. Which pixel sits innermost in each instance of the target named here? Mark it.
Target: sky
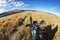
(51, 6)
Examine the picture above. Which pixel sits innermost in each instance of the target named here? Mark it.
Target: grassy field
(8, 23)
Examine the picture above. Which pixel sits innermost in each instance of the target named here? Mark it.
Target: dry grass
(9, 22)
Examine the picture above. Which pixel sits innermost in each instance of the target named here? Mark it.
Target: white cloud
(4, 4)
(2, 10)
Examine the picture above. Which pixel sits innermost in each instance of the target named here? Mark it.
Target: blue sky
(52, 6)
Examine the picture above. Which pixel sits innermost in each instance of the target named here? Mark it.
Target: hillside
(12, 24)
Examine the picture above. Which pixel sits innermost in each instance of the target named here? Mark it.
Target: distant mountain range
(12, 12)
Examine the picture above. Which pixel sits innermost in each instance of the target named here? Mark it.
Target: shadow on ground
(48, 33)
(42, 34)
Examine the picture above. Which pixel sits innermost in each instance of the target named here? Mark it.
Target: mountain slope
(18, 20)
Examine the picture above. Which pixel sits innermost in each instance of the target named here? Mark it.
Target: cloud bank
(11, 4)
